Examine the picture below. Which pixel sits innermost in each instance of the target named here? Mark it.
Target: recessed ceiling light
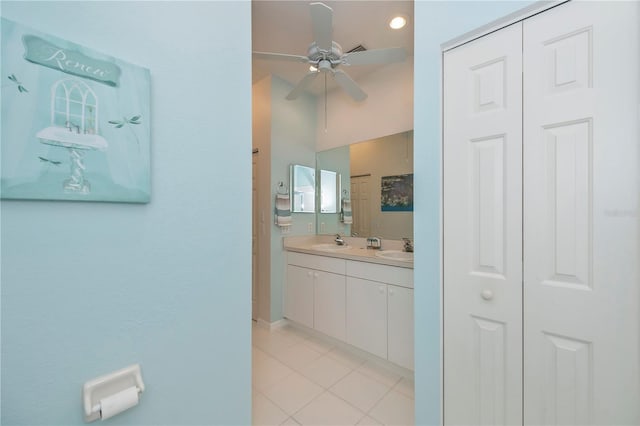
(398, 22)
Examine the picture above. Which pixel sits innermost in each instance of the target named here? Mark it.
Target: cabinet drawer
(381, 273)
(321, 263)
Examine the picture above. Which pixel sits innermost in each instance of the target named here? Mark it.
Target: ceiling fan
(325, 56)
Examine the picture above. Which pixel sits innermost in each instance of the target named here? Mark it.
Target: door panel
(581, 161)
(483, 231)
(329, 304)
(367, 315)
(361, 206)
(298, 301)
(400, 326)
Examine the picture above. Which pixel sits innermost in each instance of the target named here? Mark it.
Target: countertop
(357, 250)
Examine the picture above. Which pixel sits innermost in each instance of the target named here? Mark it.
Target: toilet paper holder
(100, 388)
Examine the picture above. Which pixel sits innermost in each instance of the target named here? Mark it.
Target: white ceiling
(285, 27)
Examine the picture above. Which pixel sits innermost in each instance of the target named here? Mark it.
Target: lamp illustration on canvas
(74, 125)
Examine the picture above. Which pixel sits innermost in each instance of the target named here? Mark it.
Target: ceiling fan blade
(322, 21)
(349, 86)
(375, 56)
(280, 57)
(302, 85)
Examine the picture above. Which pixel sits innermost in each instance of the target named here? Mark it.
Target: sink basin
(395, 255)
(329, 247)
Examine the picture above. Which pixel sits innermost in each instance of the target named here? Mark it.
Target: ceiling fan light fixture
(398, 22)
(326, 56)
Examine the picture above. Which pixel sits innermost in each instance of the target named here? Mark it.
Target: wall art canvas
(397, 193)
(75, 122)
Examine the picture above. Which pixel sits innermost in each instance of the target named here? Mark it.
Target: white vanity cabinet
(380, 310)
(367, 315)
(329, 304)
(400, 325)
(315, 293)
(367, 305)
(298, 295)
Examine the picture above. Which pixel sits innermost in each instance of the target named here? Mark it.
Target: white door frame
(505, 21)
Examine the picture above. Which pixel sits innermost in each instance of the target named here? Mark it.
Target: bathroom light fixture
(312, 68)
(398, 22)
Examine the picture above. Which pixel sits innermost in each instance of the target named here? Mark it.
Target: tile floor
(300, 379)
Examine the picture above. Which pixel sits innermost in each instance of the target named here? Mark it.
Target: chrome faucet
(408, 245)
(339, 241)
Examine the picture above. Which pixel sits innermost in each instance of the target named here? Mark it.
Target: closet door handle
(487, 294)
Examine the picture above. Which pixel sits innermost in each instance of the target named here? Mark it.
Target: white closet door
(483, 231)
(581, 232)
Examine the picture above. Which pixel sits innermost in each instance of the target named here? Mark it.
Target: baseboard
(271, 325)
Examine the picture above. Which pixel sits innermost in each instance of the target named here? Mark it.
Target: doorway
(360, 205)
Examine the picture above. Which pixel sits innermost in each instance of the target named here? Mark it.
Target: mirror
(329, 190)
(336, 160)
(377, 177)
(303, 183)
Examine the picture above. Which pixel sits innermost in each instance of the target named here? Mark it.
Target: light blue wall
(88, 288)
(293, 141)
(435, 23)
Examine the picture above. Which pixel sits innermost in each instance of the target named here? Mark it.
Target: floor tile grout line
(402, 393)
(327, 388)
(299, 369)
(371, 376)
(378, 402)
(273, 402)
(359, 409)
(337, 396)
(357, 363)
(291, 415)
(279, 380)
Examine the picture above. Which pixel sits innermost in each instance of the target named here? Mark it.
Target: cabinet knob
(309, 273)
(487, 294)
(315, 274)
(391, 291)
(381, 289)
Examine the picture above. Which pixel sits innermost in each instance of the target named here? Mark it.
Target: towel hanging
(283, 209)
(346, 214)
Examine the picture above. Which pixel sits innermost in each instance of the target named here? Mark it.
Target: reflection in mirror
(337, 160)
(363, 166)
(303, 182)
(329, 191)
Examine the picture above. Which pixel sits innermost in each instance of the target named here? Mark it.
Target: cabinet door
(581, 222)
(298, 301)
(329, 304)
(400, 332)
(367, 315)
(483, 230)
